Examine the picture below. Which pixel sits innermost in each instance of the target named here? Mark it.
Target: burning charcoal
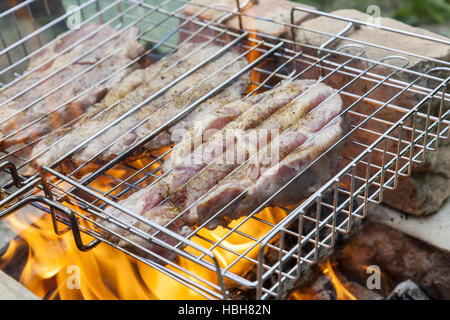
(322, 284)
(361, 292)
(317, 288)
(325, 295)
(408, 290)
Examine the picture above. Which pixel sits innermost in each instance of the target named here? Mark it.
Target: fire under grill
(396, 115)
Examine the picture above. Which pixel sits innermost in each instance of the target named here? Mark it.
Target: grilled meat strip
(234, 117)
(256, 181)
(194, 133)
(185, 192)
(299, 144)
(23, 119)
(124, 133)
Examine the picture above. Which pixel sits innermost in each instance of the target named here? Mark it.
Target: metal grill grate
(394, 122)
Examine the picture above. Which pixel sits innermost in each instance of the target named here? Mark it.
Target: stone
(408, 290)
(10, 289)
(278, 10)
(425, 191)
(403, 247)
(376, 36)
(197, 8)
(433, 230)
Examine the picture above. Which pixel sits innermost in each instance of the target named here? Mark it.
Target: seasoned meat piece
(134, 87)
(33, 106)
(114, 140)
(218, 104)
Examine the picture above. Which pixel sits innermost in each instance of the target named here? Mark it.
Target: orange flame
(107, 273)
(254, 54)
(341, 292)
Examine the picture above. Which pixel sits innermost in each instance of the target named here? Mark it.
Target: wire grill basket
(396, 115)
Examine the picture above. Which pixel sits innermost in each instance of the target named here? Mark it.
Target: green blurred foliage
(420, 11)
(414, 12)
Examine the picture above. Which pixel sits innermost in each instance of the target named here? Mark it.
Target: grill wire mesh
(393, 123)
